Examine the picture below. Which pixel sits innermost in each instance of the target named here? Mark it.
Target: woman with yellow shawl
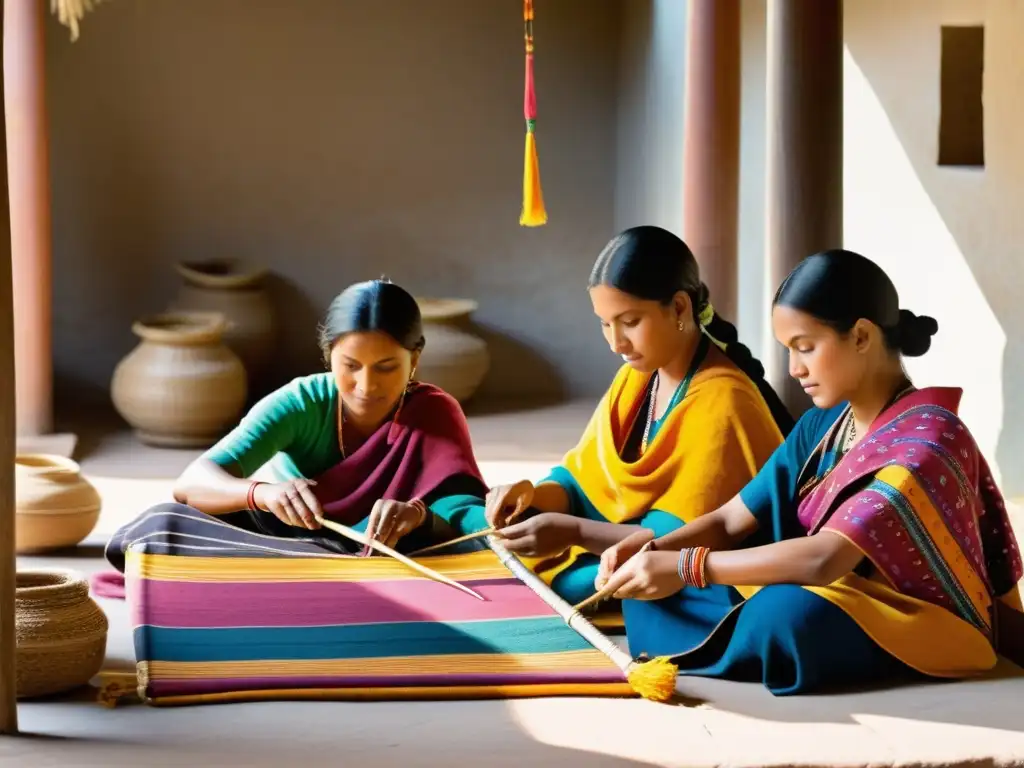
(687, 421)
(891, 550)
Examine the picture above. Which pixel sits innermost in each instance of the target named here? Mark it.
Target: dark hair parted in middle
(653, 264)
(374, 305)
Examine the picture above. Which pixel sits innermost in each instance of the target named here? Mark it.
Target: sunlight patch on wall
(890, 218)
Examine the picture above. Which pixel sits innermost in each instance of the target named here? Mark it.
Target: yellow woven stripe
(963, 570)
(465, 567)
(573, 661)
(435, 693)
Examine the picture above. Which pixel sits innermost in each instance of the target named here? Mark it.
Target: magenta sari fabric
(406, 458)
(941, 532)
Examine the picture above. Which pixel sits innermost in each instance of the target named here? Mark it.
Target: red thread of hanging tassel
(534, 214)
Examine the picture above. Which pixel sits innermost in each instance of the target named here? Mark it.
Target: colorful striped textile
(219, 613)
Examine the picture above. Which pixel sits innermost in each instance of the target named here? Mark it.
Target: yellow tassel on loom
(654, 679)
(534, 214)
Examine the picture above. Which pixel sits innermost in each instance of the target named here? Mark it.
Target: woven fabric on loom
(259, 625)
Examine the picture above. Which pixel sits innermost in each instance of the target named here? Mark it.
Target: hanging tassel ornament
(533, 214)
(71, 12)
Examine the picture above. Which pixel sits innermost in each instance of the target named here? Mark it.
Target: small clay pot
(55, 506)
(239, 293)
(181, 387)
(454, 358)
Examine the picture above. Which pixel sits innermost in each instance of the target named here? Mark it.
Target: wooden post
(8, 438)
(711, 146)
(804, 211)
(28, 182)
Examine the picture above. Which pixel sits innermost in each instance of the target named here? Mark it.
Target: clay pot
(55, 506)
(454, 358)
(61, 632)
(239, 294)
(181, 387)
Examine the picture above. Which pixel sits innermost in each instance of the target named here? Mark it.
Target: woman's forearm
(812, 561)
(723, 529)
(596, 537)
(706, 531)
(208, 487)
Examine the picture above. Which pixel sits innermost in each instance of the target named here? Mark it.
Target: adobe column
(711, 146)
(8, 578)
(804, 206)
(28, 178)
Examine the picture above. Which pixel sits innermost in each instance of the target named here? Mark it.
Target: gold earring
(680, 325)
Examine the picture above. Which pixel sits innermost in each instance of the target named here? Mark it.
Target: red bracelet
(250, 497)
(691, 567)
(419, 505)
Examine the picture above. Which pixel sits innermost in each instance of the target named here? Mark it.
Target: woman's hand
(544, 535)
(506, 502)
(291, 502)
(648, 575)
(617, 554)
(391, 520)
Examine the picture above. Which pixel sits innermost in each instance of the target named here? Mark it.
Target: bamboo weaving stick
(572, 617)
(655, 679)
(459, 540)
(430, 573)
(605, 593)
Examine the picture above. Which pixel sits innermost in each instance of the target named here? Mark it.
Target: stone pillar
(28, 179)
(8, 642)
(711, 146)
(804, 211)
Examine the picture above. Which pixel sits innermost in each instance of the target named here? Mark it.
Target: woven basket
(62, 632)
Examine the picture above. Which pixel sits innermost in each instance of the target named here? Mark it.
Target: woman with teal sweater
(363, 444)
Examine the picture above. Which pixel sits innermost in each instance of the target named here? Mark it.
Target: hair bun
(915, 333)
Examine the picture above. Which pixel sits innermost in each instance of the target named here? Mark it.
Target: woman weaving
(687, 421)
(892, 547)
(362, 444)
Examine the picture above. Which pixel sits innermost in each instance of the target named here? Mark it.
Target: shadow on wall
(239, 136)
(298, 321)
(950, 237)
(509, 358)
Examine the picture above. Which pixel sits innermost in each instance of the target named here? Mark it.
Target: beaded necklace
(679, 394)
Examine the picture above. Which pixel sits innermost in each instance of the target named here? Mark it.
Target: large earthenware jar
(237, 292)
(181, 387)
(454, 359)
(61, 632)
(55, 507)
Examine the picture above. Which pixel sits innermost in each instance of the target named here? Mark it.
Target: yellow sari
(704, 450)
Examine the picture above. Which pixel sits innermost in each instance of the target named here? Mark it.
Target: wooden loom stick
(597, 597)
(470, 536)
(605, 593)
(654, 679)
(430, 573)
(459, 540)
